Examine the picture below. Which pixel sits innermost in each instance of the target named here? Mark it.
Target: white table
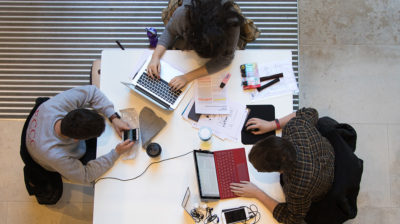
(156, 196)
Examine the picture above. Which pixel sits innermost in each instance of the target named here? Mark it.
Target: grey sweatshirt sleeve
(75, 171)
(83, 96)
(175, 27)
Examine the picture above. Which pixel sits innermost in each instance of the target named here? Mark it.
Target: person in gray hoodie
(57, 130)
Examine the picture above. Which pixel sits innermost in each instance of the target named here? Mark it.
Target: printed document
(209, 97)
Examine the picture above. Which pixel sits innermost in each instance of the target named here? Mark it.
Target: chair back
(45, 185)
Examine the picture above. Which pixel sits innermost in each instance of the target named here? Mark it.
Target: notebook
(217, 170)
(158, 90)
(265, 112)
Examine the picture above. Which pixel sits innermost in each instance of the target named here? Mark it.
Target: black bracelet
(114, 115)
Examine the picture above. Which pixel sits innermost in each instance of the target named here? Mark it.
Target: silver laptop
(158, 90)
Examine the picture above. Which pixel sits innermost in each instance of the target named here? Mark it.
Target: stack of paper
(287, 84)
(224, 126)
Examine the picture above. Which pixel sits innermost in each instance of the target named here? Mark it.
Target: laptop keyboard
(227, 172)
(160, 88)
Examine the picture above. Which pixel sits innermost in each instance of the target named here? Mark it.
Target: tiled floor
(350, 70)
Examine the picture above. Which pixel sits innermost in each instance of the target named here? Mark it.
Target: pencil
(120, 45)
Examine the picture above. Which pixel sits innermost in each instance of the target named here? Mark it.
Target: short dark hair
(273, 154)
(82, 124)
(209, 21)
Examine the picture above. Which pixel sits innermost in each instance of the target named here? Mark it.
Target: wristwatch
(114, 115)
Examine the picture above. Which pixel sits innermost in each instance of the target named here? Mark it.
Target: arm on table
(180, 81)
(75, 171)
(264, 126)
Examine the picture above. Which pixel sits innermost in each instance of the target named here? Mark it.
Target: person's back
(313, 170)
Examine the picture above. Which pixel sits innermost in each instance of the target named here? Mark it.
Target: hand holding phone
(131, 134)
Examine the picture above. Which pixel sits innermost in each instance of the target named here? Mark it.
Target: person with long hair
(209, 27)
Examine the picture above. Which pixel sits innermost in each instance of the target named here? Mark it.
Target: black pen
(120, 45)
(265, 78)
(268, 84)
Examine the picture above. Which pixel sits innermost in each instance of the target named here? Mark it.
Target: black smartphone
(235, 215)
(131, 134)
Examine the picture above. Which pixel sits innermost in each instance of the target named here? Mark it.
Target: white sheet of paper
(139, 64)
(168, 72)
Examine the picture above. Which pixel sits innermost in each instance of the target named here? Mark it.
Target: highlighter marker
(225, 80)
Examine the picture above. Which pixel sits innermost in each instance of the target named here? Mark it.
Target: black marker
(268, 84)
(120, 45)
(265, 78)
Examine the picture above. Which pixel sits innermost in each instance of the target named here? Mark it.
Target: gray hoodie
(62, 155)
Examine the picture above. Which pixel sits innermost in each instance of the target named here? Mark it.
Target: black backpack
(340, 203)
(45, 185)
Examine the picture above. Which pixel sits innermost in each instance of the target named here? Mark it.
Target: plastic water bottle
(152, 35)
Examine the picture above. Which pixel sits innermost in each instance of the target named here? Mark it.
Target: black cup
(153, 149)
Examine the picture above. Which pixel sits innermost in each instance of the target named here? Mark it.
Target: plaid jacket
(313, 172)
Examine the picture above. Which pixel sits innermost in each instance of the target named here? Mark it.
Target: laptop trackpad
(242, 171)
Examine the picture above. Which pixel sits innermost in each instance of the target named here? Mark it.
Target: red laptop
(217, 170)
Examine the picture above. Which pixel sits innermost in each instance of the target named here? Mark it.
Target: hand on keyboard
(159, 87)
(245, 189)
(154, 68)
(178, 82)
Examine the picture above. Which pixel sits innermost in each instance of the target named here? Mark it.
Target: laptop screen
(207, 174)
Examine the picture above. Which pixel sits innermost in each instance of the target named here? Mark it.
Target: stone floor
(349, 70)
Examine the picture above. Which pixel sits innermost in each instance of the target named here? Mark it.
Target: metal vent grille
(48, 46)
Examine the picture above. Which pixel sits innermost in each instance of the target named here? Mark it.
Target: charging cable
(133, 178)
(253, 213)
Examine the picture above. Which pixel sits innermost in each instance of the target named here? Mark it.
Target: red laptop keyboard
(231, 166)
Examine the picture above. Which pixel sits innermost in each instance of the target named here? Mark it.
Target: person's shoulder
(186, 2)
(181, 10)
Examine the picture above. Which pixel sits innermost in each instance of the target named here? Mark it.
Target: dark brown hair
(273, 154)
(209, 21)
(82, 124)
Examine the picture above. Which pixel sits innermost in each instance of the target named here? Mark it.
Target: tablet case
(265, 112)
(192, 114)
